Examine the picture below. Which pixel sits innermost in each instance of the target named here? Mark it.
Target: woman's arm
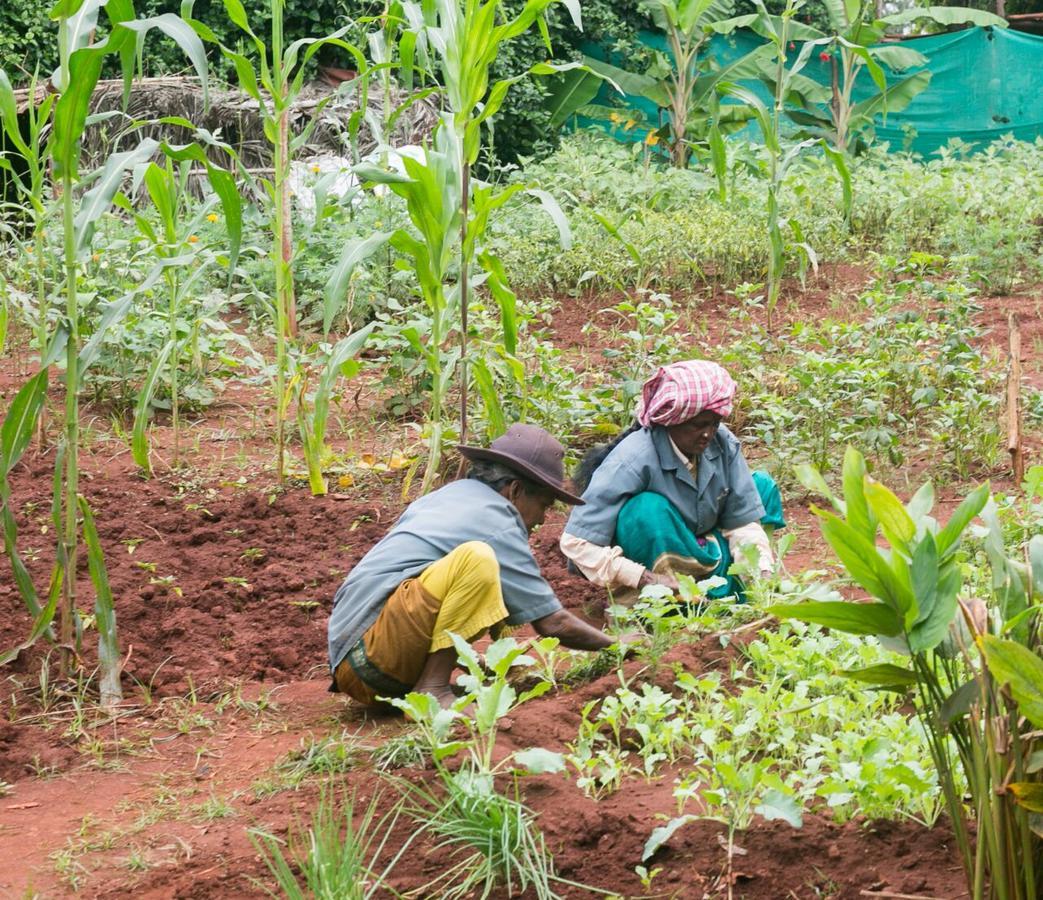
(603, 566)
(608, 567)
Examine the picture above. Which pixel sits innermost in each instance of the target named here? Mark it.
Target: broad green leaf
(895, 522)
(42, 620)
(537, 761)
(662, 834)
(921, 503)
(505, 297)
(777, 805)
(895, 98)
(182, 34)
(20, 421)
(769, 27)
(959, 702)
(949, 537)
(945, 15)
(884, 675)
(1029, 794)
(569, 92)
(840, 164)
(336, 290)
(494, 414)
(142, 410)
(553, 209)
(1019, 668)
(632, 83)
(97, 201)
(924, 574)
(852, 618)
(898, 58)
(859, 516)
(9, 116)
(865, 564)
(812, 479)
(934, 627)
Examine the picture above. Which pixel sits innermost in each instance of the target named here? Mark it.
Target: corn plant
(172, 243)
(32, 186)
(313, 409)
(779, 30)
(973, 670)
(460, 41)
(275, 84)
(81, 61)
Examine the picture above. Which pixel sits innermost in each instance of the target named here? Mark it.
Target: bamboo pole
(1014, 448)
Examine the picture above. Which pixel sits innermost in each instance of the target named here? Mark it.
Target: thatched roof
(235, 118)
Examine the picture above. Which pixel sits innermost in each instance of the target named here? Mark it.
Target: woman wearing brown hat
(457, 561)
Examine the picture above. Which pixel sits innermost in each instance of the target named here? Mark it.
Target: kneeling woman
(673, 494)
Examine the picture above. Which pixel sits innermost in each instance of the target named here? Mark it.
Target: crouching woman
(673, 494)
(457, 561)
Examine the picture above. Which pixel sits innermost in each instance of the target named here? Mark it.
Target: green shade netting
(985, 83)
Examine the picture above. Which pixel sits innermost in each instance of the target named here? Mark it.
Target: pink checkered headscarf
(679, 391)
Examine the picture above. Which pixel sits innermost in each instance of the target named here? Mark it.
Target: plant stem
(174, 363)
(465, 190)
(281, 253)
(66, 632)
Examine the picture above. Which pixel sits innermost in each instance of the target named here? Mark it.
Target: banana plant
(275, 83)
(851, 46)
(973, 669)
(683, 82)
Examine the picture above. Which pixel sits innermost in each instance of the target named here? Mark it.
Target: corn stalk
(276, 83)
(81, 60)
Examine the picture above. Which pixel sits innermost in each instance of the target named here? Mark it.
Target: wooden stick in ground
(1017, 458)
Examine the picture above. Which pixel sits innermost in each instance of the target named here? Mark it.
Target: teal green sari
(651, 531)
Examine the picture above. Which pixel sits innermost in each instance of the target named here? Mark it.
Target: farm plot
(222, 383)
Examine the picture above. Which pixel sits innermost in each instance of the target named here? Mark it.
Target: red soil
(219, 583)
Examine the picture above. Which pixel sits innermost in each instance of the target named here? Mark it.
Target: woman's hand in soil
(666, 580)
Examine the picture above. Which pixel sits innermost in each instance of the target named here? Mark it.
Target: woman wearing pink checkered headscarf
(673, 494)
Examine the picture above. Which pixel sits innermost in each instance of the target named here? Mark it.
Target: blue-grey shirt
(721, 496)
(431, 527)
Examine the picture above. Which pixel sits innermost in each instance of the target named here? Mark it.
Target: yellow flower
(629, 123)
(615, 117)
(95, 257)
(316, 169)
(29, 249)
(212, 217)
(651, 139)
(192, 239)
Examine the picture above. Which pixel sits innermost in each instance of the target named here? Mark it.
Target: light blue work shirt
(721, 496)
(465, 510)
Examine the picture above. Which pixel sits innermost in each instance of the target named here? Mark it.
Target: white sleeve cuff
(754, 534)
(603, 566)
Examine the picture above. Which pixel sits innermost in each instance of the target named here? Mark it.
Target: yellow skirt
(458, 594)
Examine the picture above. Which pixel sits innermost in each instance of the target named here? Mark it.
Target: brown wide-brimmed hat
(533, 454)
